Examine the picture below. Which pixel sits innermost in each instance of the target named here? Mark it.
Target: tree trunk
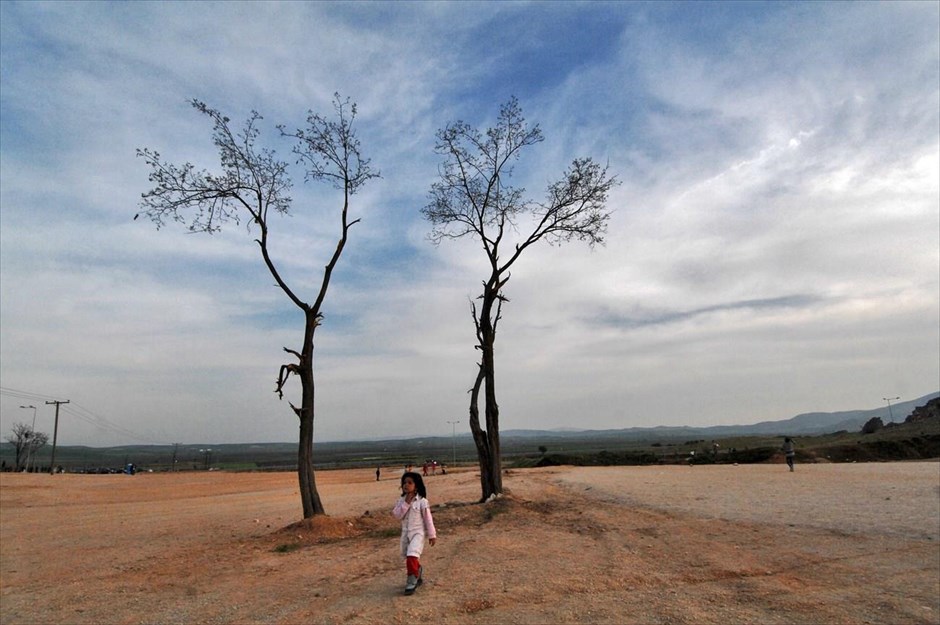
(481, 439)
(493, 481)
(309, 496)
(487, 441)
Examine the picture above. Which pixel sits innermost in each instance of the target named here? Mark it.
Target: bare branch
(283, 375)
(330, 149)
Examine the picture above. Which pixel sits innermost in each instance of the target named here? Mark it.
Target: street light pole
(29, 443)
(208, 456)
(890, 412)
(454, 439)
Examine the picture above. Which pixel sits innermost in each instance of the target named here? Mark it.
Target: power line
(23, 394)
(83, 414)
(86, 415)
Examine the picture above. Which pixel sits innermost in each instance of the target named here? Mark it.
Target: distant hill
(402, 451)
(810, 423)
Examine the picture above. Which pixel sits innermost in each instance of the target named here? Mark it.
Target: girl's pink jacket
(420, 521)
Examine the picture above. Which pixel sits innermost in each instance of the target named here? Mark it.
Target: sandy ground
(830, 543)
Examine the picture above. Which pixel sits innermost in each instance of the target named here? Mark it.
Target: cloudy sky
(774, 246)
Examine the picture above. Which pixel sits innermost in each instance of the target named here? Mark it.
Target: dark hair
(419, 483)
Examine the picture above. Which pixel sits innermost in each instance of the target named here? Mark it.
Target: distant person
(378, 473)
(789, 451)
(414, 511)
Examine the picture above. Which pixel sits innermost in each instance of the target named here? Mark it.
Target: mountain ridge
(807, 423)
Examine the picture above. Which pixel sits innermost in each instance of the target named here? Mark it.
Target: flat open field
(829, 543)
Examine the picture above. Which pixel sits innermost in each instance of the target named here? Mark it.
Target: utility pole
(55, 433)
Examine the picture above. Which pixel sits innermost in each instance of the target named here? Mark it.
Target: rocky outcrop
(929, 410)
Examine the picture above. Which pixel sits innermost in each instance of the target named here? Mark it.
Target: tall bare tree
(254, 185)
(474, 198)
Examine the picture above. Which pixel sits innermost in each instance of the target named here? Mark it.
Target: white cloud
(773, 247)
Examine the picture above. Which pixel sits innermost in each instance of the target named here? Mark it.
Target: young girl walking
(414, 511)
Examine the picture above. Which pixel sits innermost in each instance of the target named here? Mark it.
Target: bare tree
(254, 184)
(26, 442)
(474, 198)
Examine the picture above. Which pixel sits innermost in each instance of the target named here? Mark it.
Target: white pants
(412, 545)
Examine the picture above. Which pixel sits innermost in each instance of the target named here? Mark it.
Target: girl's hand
(432, 541)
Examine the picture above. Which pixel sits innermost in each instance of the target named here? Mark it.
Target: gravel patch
(897, 498)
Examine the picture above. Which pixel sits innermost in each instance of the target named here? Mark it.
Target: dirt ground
(829, 543)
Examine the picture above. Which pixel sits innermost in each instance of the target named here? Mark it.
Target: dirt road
(830, 543)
